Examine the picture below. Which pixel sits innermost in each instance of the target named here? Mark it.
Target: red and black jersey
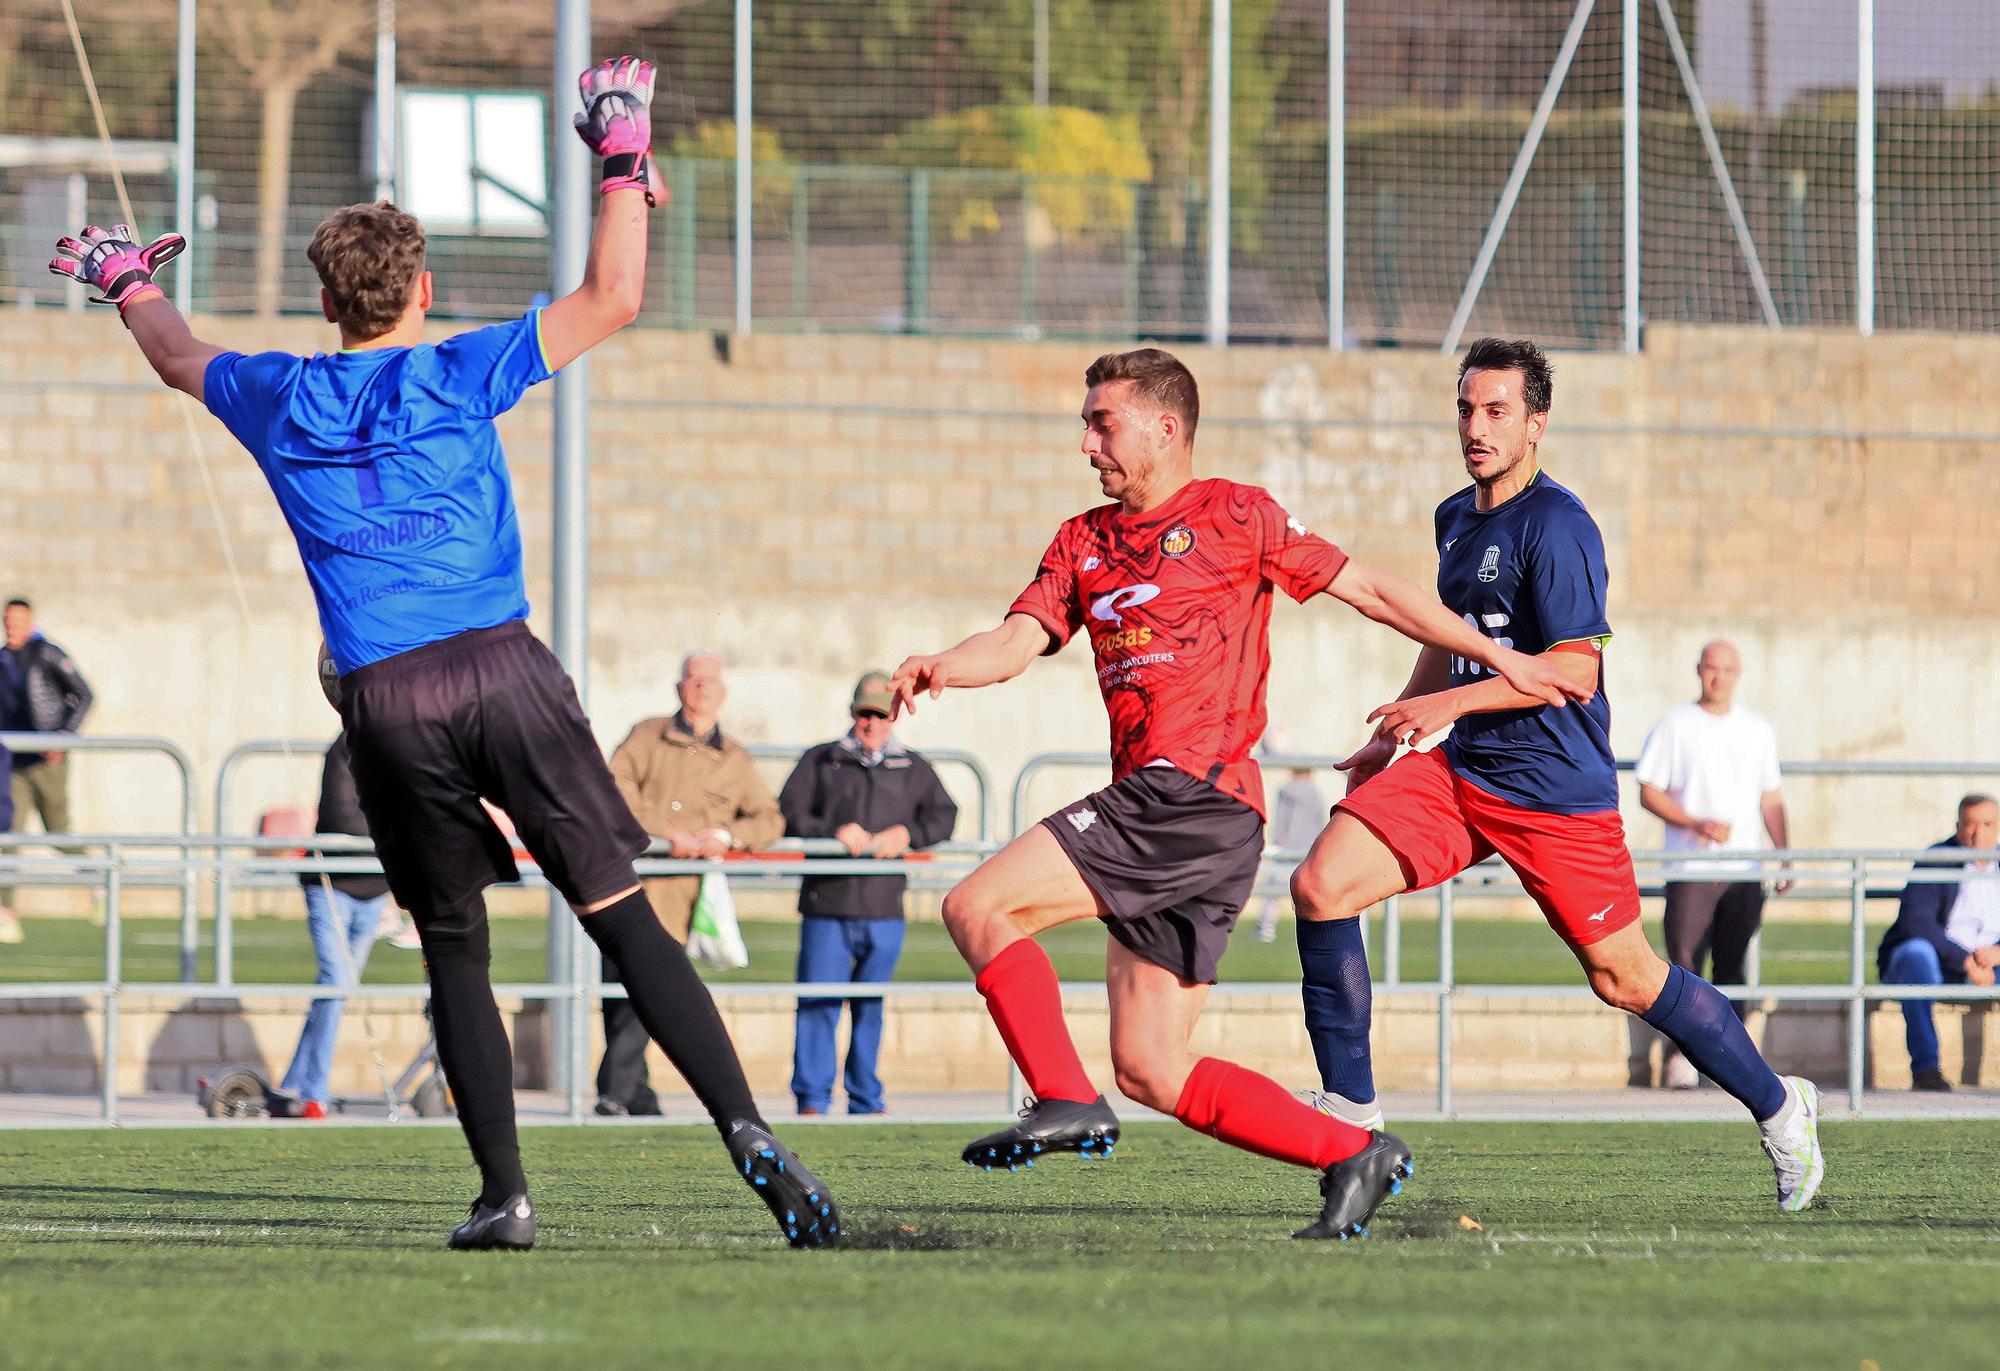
(1178, 606)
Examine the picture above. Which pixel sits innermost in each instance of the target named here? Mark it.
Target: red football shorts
(1574, 866)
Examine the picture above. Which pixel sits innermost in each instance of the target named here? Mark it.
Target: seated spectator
(689, 784)
(1946, 933)
(877, 799)
(341, 914)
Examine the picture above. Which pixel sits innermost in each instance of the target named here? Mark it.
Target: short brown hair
(368, 257)
(1157, 375)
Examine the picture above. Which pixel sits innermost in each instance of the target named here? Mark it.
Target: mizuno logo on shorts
(1082, 819)
(1598, 917)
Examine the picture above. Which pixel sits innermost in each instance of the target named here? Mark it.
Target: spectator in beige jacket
(689, 784)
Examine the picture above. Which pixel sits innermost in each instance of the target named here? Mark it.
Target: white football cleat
(1791, 1141)
(1368, 1116)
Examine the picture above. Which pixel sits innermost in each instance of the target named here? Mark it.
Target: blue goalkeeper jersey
(1530, 573)
(389, 471)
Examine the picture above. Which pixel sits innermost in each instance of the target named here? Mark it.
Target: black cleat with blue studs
(1355, 1188)
(1047, 1127)
(805, 1212)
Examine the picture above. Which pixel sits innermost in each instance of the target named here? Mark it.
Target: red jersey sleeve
(1299, 563)
(1051, 598)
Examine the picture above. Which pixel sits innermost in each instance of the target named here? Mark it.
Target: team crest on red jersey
(1177, 541)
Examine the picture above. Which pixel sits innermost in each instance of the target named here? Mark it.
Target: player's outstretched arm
(1412, 720)
(998, 654)
(1430, 675)
(122, 272)
(1423, 618)
(617, 125)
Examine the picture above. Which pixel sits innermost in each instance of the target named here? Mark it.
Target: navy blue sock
(1706, 1030)
(1338, 999)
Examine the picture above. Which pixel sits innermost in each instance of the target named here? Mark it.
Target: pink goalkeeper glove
(114, 264)
(618, 126)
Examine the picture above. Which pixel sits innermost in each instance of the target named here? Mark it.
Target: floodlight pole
(1864, 173)
(1218, 175)
(385, 99)
(1631, 173)
(184, 151)
(1336, 173)
(746, 242)
(570, 204)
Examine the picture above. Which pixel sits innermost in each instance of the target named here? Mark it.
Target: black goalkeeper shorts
(490, 714)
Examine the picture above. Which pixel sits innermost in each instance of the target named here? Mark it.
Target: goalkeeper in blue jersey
(385, 462)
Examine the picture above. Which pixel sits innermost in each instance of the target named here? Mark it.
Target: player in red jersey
(1173, 583)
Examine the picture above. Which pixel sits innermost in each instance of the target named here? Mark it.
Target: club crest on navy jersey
(1489, 565)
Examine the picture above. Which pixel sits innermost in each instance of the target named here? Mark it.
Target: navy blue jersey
(1529, 574)
(388, 469)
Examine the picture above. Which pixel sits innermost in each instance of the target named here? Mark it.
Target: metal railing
(125, 863)
(142, 745)
(939, 757)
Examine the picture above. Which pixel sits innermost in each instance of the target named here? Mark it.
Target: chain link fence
(1048, 167)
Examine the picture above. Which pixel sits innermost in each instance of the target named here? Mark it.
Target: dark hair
(1974, 800)
(368, 257)
(1538, 378)
(1157, 375)
(18, 603)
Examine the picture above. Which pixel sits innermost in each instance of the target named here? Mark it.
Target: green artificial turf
(1489, 951)
(1636, 1245)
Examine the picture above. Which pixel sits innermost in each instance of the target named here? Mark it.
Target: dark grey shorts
(490, 714)
(1173, 859)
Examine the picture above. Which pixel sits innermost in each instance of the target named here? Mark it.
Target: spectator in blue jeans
(877, 799)
(341, 914)
(1946, 933)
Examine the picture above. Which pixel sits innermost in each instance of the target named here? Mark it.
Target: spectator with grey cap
(876, 798)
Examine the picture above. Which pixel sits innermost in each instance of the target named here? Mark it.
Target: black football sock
(478, 1063)
(675, 1006)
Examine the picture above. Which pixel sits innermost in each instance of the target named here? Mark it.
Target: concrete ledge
(945, 1043)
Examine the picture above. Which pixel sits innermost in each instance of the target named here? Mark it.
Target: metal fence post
(1446, 975)
(1630, 61)
(686, 232)
(801, 242)
(184, 78)
(745, 238)
(1336, 173)
(114, 976)
(917, 264)
(1864, 172)
(1857, 1007)
(1392, 942)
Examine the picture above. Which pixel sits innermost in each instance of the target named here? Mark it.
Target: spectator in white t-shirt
(1710, 771)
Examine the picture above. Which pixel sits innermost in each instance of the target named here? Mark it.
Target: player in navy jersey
(384, 460)
(1521, 560)
(1172, 585)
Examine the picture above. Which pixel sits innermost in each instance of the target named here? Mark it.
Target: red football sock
(1257, 1114)
(1025, 1000)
